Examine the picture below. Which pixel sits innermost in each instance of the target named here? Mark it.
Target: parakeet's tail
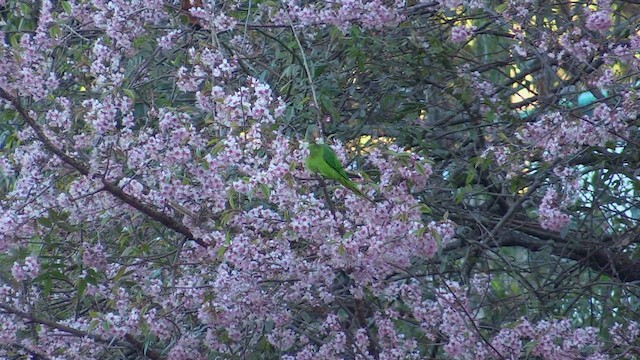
(351, 186)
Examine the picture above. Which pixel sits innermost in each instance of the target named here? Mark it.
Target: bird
(324, 161)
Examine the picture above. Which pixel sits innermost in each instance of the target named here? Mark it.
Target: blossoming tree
(154, 201)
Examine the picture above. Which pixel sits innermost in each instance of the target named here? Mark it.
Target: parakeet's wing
(322, 159)
(332, 160)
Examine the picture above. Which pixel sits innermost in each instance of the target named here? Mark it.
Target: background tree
(155, 202)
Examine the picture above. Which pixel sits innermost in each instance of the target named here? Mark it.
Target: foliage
(154, 201)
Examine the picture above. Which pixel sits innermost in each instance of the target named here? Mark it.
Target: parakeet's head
(313, 133)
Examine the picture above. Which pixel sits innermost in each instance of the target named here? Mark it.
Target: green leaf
(221, 252)
(319, 70)
(425, 209)
(81, 285)
(232, 199)
(26, 9)
(91, 277)
(227, 215)
(471, 174)
(130, 93)
(328, 106)
(55, 31)
(15, 42)
(45, 221)
(127, 251)
(120, 273)
(266, 191)
(66, 6)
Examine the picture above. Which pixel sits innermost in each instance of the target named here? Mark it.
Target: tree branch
(85, 170)
(131, 341)
(595, 255)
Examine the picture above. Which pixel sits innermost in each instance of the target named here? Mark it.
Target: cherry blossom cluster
(193, 226)
(29, 74)
(462, 33)
(623, 335)
(550, 215)
(601, 19)
(121, 21)
(286, 245)
(28, 270)
(453, 4)
(373, 14)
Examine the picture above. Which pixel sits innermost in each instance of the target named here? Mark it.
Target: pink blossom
(599, 20)
(9, 329)
(185, 218)
(28, 270)
(167, 41)
(371, 14)
(462, 33)
(94, 256)
(550, 216)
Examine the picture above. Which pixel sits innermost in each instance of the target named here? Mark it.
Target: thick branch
(593, 254)
(108, 186)
(131, 341)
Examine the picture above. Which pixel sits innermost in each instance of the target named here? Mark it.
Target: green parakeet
(324, 161)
